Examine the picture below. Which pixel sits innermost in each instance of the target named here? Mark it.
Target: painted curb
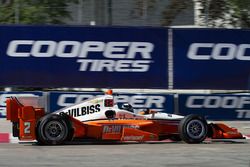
(4, 137)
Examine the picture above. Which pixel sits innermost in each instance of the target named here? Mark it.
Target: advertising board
(157, 102)
(216, 107)
(211, 59)
(74, 56)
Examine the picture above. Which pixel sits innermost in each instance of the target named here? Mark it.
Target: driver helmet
(127, 107)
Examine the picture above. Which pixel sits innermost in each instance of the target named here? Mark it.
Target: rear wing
(12, 107)
(24, 114)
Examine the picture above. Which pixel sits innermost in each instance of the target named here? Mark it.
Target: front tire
(193, 129)
(53, 129)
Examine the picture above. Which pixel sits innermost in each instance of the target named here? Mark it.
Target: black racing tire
(53, 129)
(39, 141)
(193, 129)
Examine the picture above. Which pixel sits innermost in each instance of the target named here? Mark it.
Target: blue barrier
(211, 59)
(124, 57)
(67, 56)
(216, 107)
(211, 106)
(157, 102)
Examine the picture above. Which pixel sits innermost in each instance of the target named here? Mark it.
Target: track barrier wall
(211, 106)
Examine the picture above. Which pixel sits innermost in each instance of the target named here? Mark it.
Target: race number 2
(26, 127)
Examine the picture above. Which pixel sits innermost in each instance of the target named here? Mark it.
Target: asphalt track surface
(209, 154)
(156, 154)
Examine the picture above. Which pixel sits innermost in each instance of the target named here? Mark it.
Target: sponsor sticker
(133, 138)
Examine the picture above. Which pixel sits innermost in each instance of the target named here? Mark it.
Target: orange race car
(101, 119)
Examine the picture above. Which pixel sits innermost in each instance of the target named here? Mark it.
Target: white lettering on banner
(137, 101)
(37, 47)
(219, 51)
(119, 56)
(217, 101)
(75, 98)
(243, 113)
(239, 103)
(112, 65)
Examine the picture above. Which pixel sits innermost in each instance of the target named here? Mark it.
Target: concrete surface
(158, 154)
(126, 155)
(5, 126)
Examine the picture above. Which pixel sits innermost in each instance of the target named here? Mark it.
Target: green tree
(173, 9)
(226, 13)
(170, 12)
(35, 11)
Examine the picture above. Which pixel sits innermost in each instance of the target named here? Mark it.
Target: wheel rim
(195, 129)
(54, 130)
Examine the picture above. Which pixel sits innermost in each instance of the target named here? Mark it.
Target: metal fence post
(17, 12)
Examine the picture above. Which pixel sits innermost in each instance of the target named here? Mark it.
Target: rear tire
(193, 129)
(53, 129)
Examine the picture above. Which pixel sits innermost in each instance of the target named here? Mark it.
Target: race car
(101, 119)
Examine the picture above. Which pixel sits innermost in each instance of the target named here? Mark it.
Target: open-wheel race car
(101, 119)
